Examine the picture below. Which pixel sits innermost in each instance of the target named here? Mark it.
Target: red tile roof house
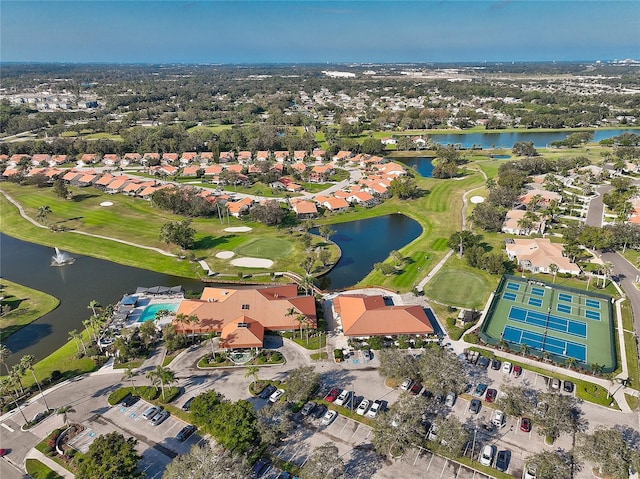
(336, 205)
(319, 154)
(111, 159)
(299, 155)
(131, 158)
(206, 156)
(363, 316)
(4, 158)
(281, 156)
(89, 159)
(240, 207)
(57, 160)
(320, 173)
(226, 156)
(538, 254)
(304, 209)
(118, 184)
(104, 180)
(343, 155)
(150, 157)
(512, 224)
(167, 170)
(169, 158)
(262, 155)
(188, 157)
(362, 198)
(190, 170)
(244, 157)
(15, 159)
(299, 167)
(228, 310)
(39, 159)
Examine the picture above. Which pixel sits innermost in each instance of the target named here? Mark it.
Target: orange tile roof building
(364, 316)
(241, 314)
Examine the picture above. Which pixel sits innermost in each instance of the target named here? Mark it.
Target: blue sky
(236, 31)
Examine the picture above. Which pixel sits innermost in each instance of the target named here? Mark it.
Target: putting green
(271, 248)
(459, 287)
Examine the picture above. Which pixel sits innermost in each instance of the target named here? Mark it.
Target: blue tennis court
(543, 342)
(563, 308)
(592, 314)
(548, 321)
(535, 302)
(513, 286)
(537, 291)
(565, 297)
(509, 296)
(592, 303)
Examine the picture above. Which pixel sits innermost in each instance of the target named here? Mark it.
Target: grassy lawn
(265, 248)
(26, 304)
(460, 285)
(38, 470)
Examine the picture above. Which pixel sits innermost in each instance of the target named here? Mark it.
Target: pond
(423, 165)
(364, 243)
(75, 285)
(540, 139)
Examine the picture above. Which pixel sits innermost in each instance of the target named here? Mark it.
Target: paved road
(627, 274)
(596, 207)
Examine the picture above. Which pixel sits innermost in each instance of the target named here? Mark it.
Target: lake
(75, 285)
(423, 165)
(364, 243)
(506, 140)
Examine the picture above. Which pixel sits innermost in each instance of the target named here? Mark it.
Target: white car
(530, 472)
(506, 367)
(343, 398)
(451, 399)
(373, 410)
(499, 419)
(275, 397)
(406, 384)
(328, 417)
(486, 456)
(363, 407)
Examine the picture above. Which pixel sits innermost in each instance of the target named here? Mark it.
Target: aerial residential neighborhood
(284, 240)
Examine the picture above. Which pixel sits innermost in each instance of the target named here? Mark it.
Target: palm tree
(93, 304)
(88, 326)
(64, 412)
(130, 374)
(524, 349)
(607, 269)
(42, 213)
(554, 270)
(27, 362)
(5, 352)
(571, 362)
(193, 320)
(252, 371)
(502, 343)
(183, 319)
(6, 384)
(210, 338)
(16, 374)
(162, 375)
(301, 319)
(596, 368)
(74, 335)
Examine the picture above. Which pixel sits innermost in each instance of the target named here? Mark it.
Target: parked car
(187, 404)
(496, 364)
(268, 390)
(486, 456)
(39, 417)
(343, 398)
(373, 410)
(484, 362)
(333, 394)
(416, 388)
(319, 411)
(160, 417)
(499, 418)
(525, 424)
(568, 386)
(308, 408)
(260, 467)
(130, 400)
(475, 406)
(328, 417)
(185, 432)
(480, 390)
(530, 472)
(450, 399)
(555, 384)
(149, 413)
(406, 384)
(363, 407)
(433, 433)
(502, 460)
(366, 354)
(491, 395)
(506, 367)
(517, 371)
(275, 397)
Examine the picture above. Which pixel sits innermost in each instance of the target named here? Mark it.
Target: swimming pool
(149, 313)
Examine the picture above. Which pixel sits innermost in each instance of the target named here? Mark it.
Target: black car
(475, 406)
(185, 432)
(130, 400)
(502, 460)
(319, 411)
(260, 467)
(483, 362)
(267, 391)
(496, 364)
(187, 404)
(366, 354)
(568, 386)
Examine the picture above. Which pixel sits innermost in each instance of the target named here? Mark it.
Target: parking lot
(157, 444)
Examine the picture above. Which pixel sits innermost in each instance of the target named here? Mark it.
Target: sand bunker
(106, 203)
(252, 262)
(477, 200)
(238, 229)
(225, 254)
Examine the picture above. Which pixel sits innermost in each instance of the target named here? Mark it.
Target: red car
(525, 424)
(517, 371)
(491, 395)
(333, 394)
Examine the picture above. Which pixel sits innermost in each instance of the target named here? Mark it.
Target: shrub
(55, 375)
(472, 338)
(375, 342)
(118, 395)
(338, 354)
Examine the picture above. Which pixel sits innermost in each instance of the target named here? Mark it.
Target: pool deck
(146, 301)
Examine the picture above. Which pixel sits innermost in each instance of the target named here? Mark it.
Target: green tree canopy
(110, 456)
(206, 462)
(302, 383)
(178, 232)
